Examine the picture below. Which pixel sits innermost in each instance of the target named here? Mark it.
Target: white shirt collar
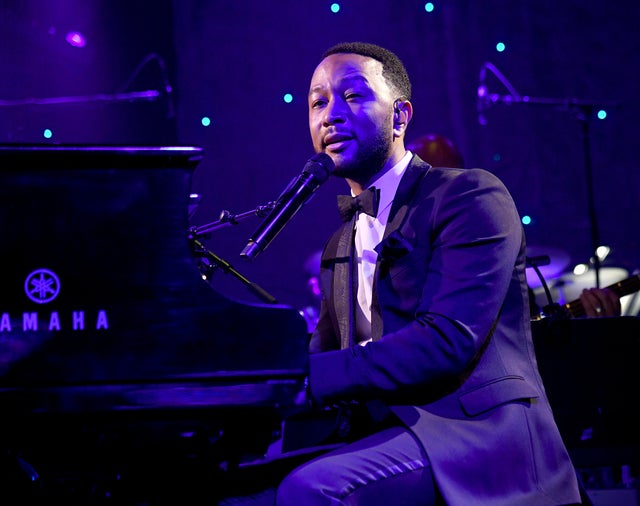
(389, 181)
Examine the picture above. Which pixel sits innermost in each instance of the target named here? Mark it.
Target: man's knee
(299, 487)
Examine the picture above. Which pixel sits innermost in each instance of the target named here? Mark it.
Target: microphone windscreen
(320, 166)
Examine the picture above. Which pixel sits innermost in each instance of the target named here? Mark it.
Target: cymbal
(559, 260)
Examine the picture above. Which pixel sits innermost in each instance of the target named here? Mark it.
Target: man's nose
(335, 112)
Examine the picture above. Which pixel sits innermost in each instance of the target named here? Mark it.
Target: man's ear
(402, 114)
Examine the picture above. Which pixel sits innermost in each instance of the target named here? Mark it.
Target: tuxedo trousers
(386, 467)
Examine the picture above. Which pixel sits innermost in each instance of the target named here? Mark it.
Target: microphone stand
(551, 309)
(209, 261)
(582, 111)
(132, 96)
(119, 96)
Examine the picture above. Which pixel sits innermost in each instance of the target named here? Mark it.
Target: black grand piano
(125, 378)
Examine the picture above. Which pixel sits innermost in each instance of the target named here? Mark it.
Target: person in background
(437, 150)
(424, 321)
(311, 310)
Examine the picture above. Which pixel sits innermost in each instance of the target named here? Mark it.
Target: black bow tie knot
(366, 202)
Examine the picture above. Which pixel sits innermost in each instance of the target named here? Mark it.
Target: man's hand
(599, 302)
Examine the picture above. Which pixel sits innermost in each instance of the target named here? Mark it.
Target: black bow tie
(367, 202)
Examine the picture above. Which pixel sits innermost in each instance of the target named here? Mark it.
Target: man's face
(351, 114)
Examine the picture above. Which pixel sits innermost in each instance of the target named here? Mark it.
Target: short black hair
(393, 70)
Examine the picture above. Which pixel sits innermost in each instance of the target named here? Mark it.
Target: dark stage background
(233, 61)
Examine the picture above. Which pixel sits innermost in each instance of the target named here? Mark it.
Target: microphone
(483, 96)
(316, 171)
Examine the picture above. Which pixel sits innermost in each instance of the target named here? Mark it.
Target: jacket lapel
(402, 201)
(416, 170)
(343, 286)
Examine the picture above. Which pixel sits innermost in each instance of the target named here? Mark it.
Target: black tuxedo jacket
(452, 353)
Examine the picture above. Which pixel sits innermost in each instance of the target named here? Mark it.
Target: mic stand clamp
(554, 311)
(209, 262)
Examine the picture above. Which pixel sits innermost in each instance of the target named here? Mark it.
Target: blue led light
(500, 47)
(335, 7)
(47, 133)
(288, 98)
(206, 121)
(429, 7)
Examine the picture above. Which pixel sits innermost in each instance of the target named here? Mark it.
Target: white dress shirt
(369, 233)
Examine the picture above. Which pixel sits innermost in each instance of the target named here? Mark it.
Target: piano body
(122, 372)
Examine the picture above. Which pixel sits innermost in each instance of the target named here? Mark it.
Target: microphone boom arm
(226, 219)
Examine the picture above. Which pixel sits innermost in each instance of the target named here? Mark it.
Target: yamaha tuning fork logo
(43, 286)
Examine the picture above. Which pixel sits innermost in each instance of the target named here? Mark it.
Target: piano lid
(100, 285)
